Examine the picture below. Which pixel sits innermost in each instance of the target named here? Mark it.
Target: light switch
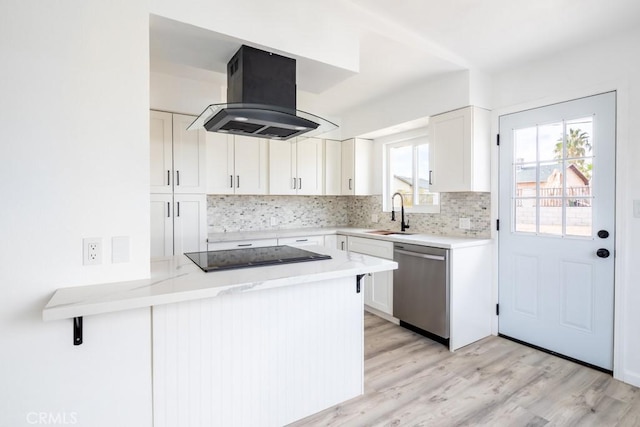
(636, 208)
(120, 249)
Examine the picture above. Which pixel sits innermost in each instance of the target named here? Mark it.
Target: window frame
(413, 141)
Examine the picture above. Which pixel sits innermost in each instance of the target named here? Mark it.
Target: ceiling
(400, 46)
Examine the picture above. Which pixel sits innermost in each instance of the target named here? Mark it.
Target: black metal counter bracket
(358, 278)
(77, 330)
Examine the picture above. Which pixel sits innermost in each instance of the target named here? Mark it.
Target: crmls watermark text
(52, 418)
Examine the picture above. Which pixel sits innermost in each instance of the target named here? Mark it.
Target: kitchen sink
(389, 233)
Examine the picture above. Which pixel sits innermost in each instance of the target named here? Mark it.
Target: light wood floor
(413, 381)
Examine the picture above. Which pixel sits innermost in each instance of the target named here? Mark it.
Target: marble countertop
(444, 242)
(177, 279)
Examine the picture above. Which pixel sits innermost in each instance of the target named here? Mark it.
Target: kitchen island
(256, 346)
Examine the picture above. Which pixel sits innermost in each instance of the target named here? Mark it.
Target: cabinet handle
(177, 177)
(168, 177)
(237, 181)
(430, 175)
(178, 209)
(302, 240)
(244, 245)
(299, 183)
(342, 245)
(294, 183)
(230, 181)
(168, 210)
(350, 183)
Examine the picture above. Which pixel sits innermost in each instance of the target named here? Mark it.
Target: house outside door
(557, 222)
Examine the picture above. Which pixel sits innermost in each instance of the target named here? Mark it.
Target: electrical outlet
(92, 251)
(465, 223)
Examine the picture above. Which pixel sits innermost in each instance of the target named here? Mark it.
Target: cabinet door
(309, 170)
(189, 156)
(332, 167)
(282, 167)
(220, 164)
(459, 152)
(161, 225)
(251, 165)
(347, 185)
(362, 164)
(190, 223)
(379, 293)
(161, 167)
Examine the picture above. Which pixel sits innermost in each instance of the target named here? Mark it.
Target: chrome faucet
(403, 225)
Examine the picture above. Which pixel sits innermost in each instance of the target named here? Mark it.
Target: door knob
(603, 253)
(603, 234)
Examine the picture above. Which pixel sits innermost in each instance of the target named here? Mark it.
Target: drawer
(373, 247)
(239, 244)
(302, 241)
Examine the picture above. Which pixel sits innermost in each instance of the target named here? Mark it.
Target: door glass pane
(578, 217)
(525, 145)
(525, 215)
(401, 165)
(550, 141)
(578, 138)
(551, 216)
(551, 179)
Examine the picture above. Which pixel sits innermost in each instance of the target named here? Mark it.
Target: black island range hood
(261, 95)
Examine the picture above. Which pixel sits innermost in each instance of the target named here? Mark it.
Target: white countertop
(176, 279)
(444, 242)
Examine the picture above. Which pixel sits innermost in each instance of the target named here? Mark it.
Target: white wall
(312, 31)
(74, 143)
(612, 64)
(181, 95)
(434, 96)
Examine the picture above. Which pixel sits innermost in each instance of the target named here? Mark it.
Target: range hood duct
(261, 100)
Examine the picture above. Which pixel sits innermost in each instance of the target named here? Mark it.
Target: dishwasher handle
(419, 255)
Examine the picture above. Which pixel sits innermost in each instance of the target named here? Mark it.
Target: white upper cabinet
(177, 156)
(356, 166)
(296, 167)
(161, 156)
(459, 151)
(236, 164)
(332, 167)
(188, 156)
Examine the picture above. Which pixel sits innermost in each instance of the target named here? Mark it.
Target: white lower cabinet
(239, 244)
(378, 287)
(302, 241)
(341, 242)
(178, 224)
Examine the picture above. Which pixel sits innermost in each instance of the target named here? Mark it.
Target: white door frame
(621, 281)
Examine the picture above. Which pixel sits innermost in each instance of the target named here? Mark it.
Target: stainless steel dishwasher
(421, 290)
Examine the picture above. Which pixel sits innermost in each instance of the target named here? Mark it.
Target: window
(407, 173)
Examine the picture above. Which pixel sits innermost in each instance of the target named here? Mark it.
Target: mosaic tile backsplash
(453, 206)
(252, 213)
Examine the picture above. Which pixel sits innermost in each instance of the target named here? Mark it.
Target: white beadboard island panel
(177, 279)
(261, 358)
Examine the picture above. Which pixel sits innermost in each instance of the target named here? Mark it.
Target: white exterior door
(557, 199)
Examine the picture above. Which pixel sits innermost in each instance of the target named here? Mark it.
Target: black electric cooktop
(252, 257)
